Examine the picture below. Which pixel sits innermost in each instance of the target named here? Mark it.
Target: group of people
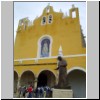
(42, 92)
(30, 92)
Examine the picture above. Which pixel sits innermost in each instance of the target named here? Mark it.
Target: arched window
(43, 20)
(73, 14)
(44, 46)
(50, 19)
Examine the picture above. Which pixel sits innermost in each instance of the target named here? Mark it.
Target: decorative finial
(66, 14)
(60, 10)
(31, 22)
(63, 15)
(36, 17)
(48, 8)
(73, 6)
(48, 4)
(60, 51)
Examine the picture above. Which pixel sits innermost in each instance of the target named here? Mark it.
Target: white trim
(67, 56)
(76, 68)
(76, 55)
(39, 45)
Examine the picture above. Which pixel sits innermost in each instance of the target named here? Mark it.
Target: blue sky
(34, 9)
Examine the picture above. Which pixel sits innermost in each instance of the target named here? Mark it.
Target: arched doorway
(15, 81)
(77, 80)
(46, 78)
(27, 78)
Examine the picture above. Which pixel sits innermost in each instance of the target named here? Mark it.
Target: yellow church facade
(39, 43)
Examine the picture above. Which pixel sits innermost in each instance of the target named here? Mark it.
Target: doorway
(46, 78)
(42, 80)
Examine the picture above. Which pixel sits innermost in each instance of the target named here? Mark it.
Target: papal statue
(63, 82)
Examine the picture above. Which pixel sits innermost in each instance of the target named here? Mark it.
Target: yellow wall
(64, 31)
(36, 69)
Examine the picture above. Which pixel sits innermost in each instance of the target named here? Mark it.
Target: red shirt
(30, 89)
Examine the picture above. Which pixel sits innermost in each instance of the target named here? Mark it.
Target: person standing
(30, 89)
(38, 92)
(41, 92)
(24, 91)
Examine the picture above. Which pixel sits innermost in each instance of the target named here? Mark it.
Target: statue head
(59, 58)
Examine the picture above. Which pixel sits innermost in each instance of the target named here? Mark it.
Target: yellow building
(39, 43)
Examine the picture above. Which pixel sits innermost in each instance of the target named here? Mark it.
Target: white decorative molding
(36, 60)
(20, 61)
(67, 56)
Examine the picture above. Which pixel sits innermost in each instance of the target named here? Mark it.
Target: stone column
(35, 82)
(18, 85)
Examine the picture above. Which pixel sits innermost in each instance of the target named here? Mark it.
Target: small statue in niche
(45, 49)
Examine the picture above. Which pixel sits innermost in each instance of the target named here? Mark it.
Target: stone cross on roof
(48, 7)
(73, 6)
(60, 10)
(48, 4)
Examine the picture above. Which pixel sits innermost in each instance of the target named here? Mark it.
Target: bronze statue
(63, 81)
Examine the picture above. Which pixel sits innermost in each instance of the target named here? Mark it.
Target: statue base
(62, 93)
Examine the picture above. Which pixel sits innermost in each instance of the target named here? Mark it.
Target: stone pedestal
(62, 93)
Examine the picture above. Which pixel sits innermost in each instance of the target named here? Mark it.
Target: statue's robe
(63, 81)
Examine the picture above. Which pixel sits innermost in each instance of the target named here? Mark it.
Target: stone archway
(15, 81)
(27, 78)
(46, 78)
(77, 80)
